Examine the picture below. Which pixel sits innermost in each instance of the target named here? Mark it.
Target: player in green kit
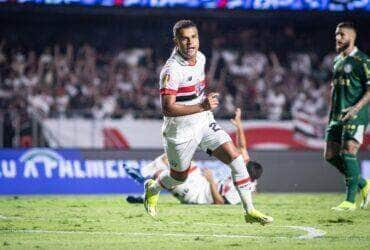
(348, 114)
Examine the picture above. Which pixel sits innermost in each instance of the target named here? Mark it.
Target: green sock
(361, 182)
(352, 172)
(337, 162)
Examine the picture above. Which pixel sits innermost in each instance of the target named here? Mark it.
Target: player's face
(187, 41)
(343, 38)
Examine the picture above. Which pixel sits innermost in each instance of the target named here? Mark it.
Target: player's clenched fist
(211, 101)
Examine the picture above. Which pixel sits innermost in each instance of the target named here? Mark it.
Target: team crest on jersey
(165, 80)
(347, 68)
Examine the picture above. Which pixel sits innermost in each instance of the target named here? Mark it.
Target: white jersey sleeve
(195, 190)
(169, 80)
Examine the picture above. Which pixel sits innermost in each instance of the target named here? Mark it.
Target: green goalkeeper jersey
(351, 78)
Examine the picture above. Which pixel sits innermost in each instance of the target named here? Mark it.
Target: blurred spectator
(273, 73)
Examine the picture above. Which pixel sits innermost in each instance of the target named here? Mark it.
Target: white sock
(164, 180)
(242, 181)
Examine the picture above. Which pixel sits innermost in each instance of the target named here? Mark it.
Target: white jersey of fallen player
(188, 83)
(195, 190)
(149, 170)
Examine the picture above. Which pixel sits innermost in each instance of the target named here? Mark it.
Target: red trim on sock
(242, 181)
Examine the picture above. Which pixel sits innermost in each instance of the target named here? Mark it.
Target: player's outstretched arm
(241, 142)
(171, 108)
(217, 198)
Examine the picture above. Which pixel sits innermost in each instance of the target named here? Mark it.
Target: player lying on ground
(200, 187)
(189, 123)
(348, 114)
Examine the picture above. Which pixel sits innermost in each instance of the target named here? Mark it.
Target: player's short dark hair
(347, 25)
(255, 170)
(182, 24)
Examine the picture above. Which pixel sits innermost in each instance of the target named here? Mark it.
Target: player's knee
(226, 153)
(350, 151)
(350, 147)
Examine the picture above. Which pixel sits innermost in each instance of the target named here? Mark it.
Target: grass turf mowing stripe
(311, 233)
(135, 234)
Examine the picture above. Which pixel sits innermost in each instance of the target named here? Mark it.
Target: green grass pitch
(108, 222)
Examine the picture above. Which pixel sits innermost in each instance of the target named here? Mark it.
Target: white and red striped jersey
(185, 81)
(195, 190)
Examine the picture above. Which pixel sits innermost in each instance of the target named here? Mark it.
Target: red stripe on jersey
(242, 181)
(191, 88)
(186, 89)
(168, 91)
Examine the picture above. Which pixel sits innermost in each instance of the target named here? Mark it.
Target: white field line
(135, 234)
(139, 234)
(3, 217)
(311, 232)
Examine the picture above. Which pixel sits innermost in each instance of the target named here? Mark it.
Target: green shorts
(338, 132)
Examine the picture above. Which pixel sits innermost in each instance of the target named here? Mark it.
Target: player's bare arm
(217, 198)
(351, 112)
(241, 142)
(171, 109)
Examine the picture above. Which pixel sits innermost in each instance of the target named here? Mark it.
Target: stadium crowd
(271, 75)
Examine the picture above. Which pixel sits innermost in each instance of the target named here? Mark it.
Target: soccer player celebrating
(348, 114)
(200, 187)
(189, 123)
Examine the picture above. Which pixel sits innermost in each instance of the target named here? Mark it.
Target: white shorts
(208, 137)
